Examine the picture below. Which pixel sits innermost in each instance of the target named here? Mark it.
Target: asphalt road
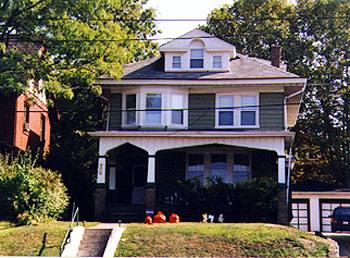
(343, 240)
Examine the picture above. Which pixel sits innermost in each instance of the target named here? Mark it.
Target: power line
(180, 109)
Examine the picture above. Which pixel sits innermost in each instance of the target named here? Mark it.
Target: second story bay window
(131, 109)
(237, 111)
(153, 109)
(197, 58)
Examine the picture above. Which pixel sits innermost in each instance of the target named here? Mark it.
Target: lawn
(208, 240)
(28, 240)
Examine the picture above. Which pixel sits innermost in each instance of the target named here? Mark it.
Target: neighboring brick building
(24, 122)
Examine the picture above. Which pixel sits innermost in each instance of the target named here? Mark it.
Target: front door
(139, 182)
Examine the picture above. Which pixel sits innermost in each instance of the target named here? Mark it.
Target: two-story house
(198, 109)
(24, 121)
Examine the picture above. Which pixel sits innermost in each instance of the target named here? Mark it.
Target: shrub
(251, 201)
(30, 194)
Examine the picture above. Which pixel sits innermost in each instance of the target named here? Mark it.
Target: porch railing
(75, 215)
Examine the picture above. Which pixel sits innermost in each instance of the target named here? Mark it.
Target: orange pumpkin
(174, 218)
(148, 219)
(159, 218)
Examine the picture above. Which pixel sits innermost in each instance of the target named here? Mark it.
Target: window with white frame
(177, 105)
(176, 61)
(217, 62)
(131, 109)
(197, 58)
(248, 110)
(231, 167)
(225, 110)
(237, 111)
(154, 108)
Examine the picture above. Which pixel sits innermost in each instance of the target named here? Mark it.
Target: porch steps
(124, 213)
(94, 242)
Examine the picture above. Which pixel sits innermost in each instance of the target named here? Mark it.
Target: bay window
(153, 108)
(131, 109)
(177, 105)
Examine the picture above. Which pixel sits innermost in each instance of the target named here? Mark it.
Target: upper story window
(153, 109)
(197, 58)
(217, 62)
(131, 109)
(26, 112)
(177, 105)
(248, 110)
(176, 61)
(237, 111)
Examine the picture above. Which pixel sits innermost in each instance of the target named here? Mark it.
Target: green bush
(251, 201)
(30, 194)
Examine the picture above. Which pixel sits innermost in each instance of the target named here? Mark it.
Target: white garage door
(326, 208)
(301, 214)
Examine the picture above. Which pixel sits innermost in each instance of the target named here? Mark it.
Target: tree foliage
(315, 38)
(79, 40)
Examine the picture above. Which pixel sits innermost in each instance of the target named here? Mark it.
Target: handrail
(76, 214)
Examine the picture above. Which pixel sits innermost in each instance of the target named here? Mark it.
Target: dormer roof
(210, 42)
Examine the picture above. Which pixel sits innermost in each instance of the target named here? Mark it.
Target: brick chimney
(276, 56)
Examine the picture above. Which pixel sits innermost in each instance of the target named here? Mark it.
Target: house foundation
(100, 197)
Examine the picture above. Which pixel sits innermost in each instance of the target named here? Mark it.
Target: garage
(312, 202)
(326, 208)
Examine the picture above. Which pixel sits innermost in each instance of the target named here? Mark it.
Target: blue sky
(182, 9)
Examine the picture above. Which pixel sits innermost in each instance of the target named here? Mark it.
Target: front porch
(139, 169)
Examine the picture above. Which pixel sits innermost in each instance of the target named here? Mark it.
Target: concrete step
(94, 242)
(124, 213)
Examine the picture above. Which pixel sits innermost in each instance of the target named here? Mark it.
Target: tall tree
(81, 39)
(315, 37)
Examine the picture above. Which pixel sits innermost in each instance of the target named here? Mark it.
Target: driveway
(343, 240)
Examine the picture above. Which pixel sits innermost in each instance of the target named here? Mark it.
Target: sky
(182, 9)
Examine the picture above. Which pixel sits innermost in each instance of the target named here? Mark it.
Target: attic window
(176, 61)
(217, 62)
(197, 56)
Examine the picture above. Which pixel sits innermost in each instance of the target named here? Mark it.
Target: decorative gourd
(148, 219)
(159, 218)
(174, 218)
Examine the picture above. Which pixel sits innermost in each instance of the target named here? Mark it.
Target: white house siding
(152, 142)
(321, 204)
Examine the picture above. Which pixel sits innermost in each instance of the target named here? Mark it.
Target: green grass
(28, 240)
(205, 240)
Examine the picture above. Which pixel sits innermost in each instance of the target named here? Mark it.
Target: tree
(81, 41)
(315, 39)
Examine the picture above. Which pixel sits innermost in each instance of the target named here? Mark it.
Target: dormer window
(217, 62)
(197, 58)
(176, 62)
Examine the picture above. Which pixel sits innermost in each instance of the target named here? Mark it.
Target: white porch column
(151, 173)
(101, 170)
(282, 170)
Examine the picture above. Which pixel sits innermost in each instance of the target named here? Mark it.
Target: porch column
(282, 216)
(282, 170)
(151, 185)
(100, 193)
(101, 170)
